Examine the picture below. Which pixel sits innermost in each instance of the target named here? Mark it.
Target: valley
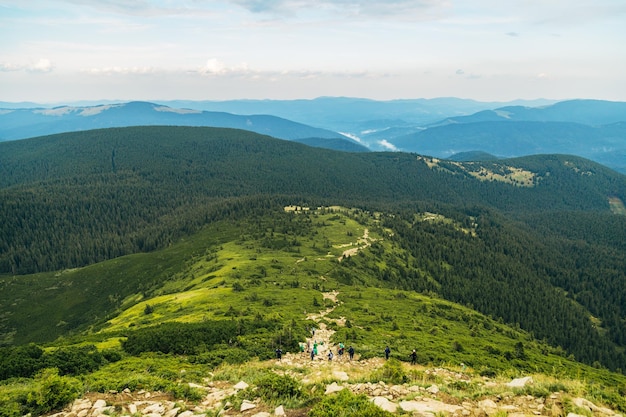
(208, 249)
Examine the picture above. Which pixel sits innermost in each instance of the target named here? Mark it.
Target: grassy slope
(194, 281)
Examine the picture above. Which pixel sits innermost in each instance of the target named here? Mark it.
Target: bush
(391, 372)
(273, 388)
(53, 391)
(216, 357)
(347, 404)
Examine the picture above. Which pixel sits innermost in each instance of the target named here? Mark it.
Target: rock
(340, 375)
(172, 413)
(385, 404)
(99, 404)
(433, 389)
(520, 382)
(429, 406)
(155, 408)
(81, 405)
(186, 414)
(241, 385)
(332, 388)
(247, 405)
(488, 406)
(132, 408)
(280, 411)
(398, 391)
(262, 414)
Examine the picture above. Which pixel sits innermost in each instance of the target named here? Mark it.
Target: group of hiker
(313, 351)
(340, 352)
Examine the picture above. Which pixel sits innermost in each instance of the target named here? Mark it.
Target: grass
(279, 268)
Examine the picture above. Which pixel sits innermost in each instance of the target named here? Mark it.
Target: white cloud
(43, 65)
(8, 67)
(387, 145)
(120, 70)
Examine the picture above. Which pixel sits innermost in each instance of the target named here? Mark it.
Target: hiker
(413, 357)
(351, 352)
(330, 355)
(340, 350)
(279, 353)
(312, 355)
(387, 352)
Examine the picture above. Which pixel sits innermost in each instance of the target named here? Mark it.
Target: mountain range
(152, 257)
(29, 122)
(593, 129)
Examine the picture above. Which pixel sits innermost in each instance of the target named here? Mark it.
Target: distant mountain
(24, 123)
(589, 112)
(589, 128)
(471, 156)
(357, 116)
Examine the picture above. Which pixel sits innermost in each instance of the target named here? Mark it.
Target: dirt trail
(320, 335)
(361, 243)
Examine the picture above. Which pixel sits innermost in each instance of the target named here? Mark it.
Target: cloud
(512, 34)
(8, 67)
(121, 71)
(460, 72)
(216, 67)
(412, 9)
(42, 65)
(387, 145)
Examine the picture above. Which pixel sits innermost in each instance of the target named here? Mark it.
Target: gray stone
(433, 389)
(520, 382)
(155, 408)
(241, 385)
(280, 411)
(247, 405)
(385, 404)
(332, 388)
(99, 404)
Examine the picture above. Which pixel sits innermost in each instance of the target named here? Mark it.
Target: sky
(59, 51)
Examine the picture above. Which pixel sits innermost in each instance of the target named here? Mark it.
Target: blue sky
(54, 51)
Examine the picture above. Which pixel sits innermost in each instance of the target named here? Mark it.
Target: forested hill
(135, 189)
(537, 241)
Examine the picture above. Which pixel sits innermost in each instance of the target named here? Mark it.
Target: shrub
(53, 391)
(391, 372)
(347, 404)
(218, 356)
(273, 388)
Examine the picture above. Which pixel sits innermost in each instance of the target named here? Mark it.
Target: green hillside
(504, 266)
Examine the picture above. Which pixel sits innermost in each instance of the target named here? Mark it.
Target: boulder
(280, 411)
(385, 404)
(340, 375)
(241, 385)
(332, 388)
(520, 382)
(247, 405)
(433, 389)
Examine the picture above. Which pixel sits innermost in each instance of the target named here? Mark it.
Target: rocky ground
(406, 399)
